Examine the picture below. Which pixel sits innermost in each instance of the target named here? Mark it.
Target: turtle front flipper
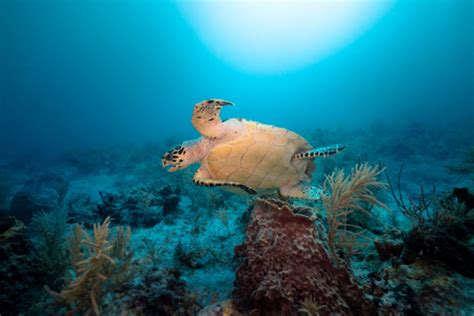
(206, 117)
(306, 192)
(202, 178)
(320, 152)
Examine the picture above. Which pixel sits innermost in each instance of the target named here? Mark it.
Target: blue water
(82, 72)
(95, 91)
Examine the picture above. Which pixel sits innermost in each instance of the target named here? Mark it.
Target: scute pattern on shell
(261, 158)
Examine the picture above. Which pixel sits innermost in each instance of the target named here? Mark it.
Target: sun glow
(276, 36)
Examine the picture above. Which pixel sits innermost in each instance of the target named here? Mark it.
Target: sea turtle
(254, 157)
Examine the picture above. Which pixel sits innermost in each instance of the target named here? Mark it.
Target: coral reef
(169, 199)
(422, 289)
(161, 292)
(346, 196)
(191, 257)
(388, 249)
(143, 207)
(18, 277)
(443, 236)
(462, 195)
(226, 308)
(442, 228)
(42, 193)
(81, 208)
(49, 230)
(100, 264)
(415, 258)
(283, 264)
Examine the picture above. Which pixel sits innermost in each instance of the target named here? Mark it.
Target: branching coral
(428, 212)
(348, 195)
(50, 242)
(416, 208)
(449, 212)
(443, 237)
(100, 264)
(442, 227)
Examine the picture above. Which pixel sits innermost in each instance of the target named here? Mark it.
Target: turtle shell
(260, 158)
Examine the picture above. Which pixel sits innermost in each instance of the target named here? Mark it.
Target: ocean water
(94, 93)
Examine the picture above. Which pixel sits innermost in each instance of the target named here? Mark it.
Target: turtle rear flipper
(320, 152)
(206, 117)
(201, 178)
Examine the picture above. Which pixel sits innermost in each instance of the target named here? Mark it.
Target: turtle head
(175, 159)
(186, 154)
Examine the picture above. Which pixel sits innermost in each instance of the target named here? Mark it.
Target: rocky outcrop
(44, 193)
(284, 265)
(17, 273)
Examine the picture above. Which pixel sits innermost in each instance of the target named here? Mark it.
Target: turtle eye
(168, 156)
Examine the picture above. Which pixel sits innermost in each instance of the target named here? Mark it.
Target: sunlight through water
(277, 36)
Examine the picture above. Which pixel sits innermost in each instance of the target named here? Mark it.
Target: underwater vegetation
(128, 242)
(340, 183)
(49, 230)
(18, 276)
(100, 264)
(344, 197)
(442, 227)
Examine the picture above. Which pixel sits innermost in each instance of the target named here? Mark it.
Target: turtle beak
(174, 168)
(170, 167)
(224, 102)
